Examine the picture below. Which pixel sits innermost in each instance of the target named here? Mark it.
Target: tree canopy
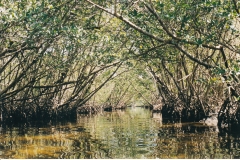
(56, 55)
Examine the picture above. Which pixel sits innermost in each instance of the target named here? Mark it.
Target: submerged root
(172, 110)
(177, 110)
(229, 115)
(110, 108)
(88, 109)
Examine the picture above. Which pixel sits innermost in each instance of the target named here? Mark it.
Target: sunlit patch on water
(134, 133)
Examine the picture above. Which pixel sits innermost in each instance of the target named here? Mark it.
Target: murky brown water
(134, 133)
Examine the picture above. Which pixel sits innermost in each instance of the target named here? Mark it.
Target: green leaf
(199, 41)
(135, 12)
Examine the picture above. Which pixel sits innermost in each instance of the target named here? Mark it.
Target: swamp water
(133, 133)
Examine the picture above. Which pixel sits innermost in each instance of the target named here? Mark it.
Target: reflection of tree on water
(193, 140)
(134, 133)
(64, 142)
(179, 140)
(231, 143)
(157, 117)
(125, 134)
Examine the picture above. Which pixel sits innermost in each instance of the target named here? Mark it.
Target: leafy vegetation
(57, 56)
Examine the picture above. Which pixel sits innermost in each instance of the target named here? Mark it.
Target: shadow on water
(133, 133)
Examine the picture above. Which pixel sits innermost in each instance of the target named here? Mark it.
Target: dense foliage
(56, 55)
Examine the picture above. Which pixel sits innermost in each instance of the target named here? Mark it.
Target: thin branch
(129, 23)
(193, 58)
(236, 7)
(152, 10)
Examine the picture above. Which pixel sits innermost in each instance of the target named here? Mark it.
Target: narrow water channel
(133, 133)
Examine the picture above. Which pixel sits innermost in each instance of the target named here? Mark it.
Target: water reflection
(134, 133)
